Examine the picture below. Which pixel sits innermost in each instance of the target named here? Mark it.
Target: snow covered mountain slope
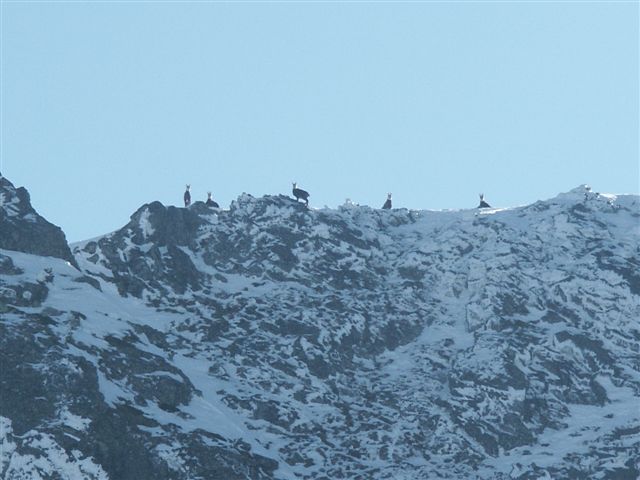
(272, 341)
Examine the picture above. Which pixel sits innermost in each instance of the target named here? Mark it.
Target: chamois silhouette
(387, 204)
(483, 204)
(187, 196)
(300, 194)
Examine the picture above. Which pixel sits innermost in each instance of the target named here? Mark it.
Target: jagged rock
(23, 230)
(7, 267)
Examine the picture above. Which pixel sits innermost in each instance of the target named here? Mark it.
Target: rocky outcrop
(23, 230)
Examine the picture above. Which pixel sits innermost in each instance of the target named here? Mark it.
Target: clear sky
(106, 106)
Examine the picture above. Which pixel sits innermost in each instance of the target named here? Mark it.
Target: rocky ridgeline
(274, 341)
(23, 230)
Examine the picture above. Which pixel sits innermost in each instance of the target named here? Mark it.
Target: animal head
(188, 186)
(294, 184)
(481, 196)
(208, 194)
(388, 196)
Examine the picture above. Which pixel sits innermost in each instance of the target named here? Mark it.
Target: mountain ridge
(273, 341)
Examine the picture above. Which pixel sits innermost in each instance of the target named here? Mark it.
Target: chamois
(210, 202)
(300, 194)
(483, 204)
(187, 196)
(387, 204)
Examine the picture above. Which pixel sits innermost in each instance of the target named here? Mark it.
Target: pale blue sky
(106, 106)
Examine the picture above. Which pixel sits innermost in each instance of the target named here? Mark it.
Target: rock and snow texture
(22, 229)
(269, 341)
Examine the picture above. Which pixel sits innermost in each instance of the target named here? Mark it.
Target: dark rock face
(165, 226)
(23, 230)
(156, 261)
(270, 341)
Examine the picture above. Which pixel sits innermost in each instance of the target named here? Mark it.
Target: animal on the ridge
(210, 202)
(300, 194)
(483, 204)
(387, 204)
(187, 196)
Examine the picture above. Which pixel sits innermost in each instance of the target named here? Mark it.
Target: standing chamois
(187, 196)
(387, 204)
(300, 194)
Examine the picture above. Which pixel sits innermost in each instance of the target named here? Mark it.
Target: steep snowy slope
(272, 341)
